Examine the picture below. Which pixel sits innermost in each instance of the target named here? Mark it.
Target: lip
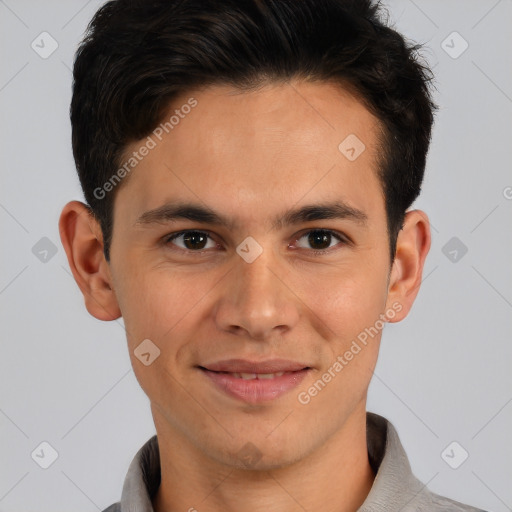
(245, 366)
(256, 390)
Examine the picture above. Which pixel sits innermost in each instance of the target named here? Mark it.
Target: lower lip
(255, 390)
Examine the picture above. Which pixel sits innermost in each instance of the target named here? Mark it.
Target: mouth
(241, 366)
(252, 376)
(255, 386)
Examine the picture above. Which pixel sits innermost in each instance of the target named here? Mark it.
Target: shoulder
(115, 507)
(436, 503)
(395, 485)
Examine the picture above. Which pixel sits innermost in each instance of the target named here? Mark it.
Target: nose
(255, 301)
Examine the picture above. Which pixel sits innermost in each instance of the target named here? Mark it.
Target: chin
(258, 453)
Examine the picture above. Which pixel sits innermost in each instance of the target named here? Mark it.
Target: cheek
(161, 307)
(164, 306)
(347, 301)
(348, 310)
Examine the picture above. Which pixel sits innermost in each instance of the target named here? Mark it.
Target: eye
(191, 240)
(321, 239)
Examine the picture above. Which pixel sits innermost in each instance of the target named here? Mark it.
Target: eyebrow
(173, 211)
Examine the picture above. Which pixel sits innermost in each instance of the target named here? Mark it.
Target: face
(250, 281)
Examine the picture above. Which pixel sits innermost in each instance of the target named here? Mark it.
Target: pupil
(320, 237)
(192, 238)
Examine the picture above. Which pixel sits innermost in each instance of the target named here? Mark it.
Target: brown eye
(320, 239)
(191, 240)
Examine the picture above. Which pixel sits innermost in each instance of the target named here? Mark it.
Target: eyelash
(315, 252)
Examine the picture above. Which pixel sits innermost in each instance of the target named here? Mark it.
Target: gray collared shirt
(395, 488)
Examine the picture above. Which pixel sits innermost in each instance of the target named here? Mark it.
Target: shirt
(394, 489)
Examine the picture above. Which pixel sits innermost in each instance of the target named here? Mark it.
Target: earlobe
(412, 247)
(82, 240)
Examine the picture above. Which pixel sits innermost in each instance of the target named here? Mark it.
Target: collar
(394, 488)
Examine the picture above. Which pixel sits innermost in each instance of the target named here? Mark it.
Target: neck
(336, 477)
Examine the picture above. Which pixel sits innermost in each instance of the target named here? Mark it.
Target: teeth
(247, 376)
(269, 375)
(252, 376)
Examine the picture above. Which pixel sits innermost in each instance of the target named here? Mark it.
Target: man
(248, 167)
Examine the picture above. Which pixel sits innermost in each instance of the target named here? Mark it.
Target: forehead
(310, 116)
(237, 150)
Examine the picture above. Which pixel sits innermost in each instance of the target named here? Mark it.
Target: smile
(255, 387)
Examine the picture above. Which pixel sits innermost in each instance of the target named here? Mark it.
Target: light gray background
(444, 372)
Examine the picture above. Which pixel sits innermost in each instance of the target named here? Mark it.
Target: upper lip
(244, 366)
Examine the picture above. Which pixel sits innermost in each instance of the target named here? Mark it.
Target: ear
(82, 239)
(413, 244)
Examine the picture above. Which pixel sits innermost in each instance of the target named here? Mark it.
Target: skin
(251, 156)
